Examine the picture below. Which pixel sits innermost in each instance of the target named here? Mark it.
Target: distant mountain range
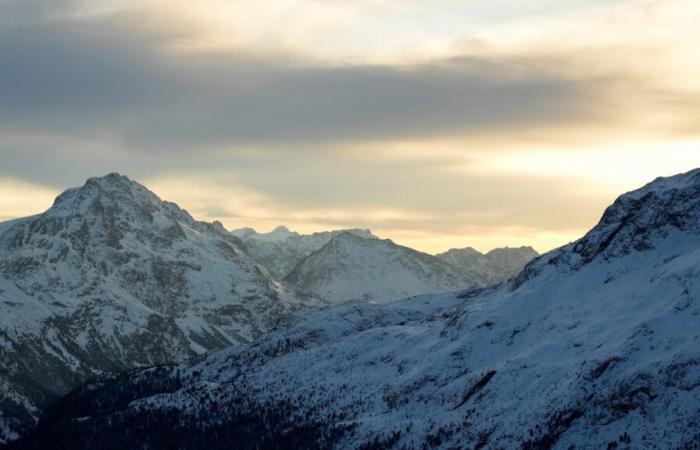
(281, 250)
(592, 346)
(350, 267)
(112, 278)
(354, 264)
(494, 267)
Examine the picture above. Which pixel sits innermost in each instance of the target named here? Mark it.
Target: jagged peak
(637, 221)
(682, 181)
(280, 233)
(636, 217)
(352, 236)
(218, 226)
(525, 250)
(118, 194)
(461, 251)
(522, 250)
(111, 183)
(244, 232)
(113, 179)
(362, 232)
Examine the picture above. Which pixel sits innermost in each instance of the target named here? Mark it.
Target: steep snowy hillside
(112, 278)
(280, 250)
(593, 346)
(351, 267)
(494, 267)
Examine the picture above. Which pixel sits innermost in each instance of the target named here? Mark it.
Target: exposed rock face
(111, 278)
(350, 267)
(281, 250)
(594, 346)
(494, 267)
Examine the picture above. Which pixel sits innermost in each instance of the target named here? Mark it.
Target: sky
(437, 124)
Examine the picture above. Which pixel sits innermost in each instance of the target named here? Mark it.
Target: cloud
(120, 76)
(113, 75)
(417, 146)
(346, 191)
(116, 76)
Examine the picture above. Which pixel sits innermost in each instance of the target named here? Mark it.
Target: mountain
(111, 278)
(281, 250)
(593, 345)
(494, 267)
(351, 267)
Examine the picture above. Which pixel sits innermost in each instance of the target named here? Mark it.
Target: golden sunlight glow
(613, 170)
(20, 199)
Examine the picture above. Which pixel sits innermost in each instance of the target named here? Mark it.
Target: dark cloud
(12, 11)
(91, 77)
(431, 187)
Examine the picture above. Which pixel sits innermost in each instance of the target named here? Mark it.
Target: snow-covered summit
(665, 213)
(116, 194)
(111, 278)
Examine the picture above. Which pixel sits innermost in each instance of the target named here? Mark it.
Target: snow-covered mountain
(352, 267)
(494, 267)
(111, 278)
(594, 345)
(281, 250)
(353, 264)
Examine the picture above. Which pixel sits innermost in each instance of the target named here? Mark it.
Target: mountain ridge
(350, 267)
(594, 345)
(281, 249)
(492, 267)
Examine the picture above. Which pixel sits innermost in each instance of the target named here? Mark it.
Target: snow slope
(111, 278)
(594, 345)
(280, 250)
(491, 268)
(351, 267)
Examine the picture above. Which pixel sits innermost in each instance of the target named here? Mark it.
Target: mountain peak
(113, 178)
(638, 221)
(524, 250)
(115, 186)
(115, 201)
(466, 251)
(349, 235)
(244, 232)
(683, 181)
(114, 182)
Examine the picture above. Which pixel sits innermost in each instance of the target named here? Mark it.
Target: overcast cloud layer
(400, 145)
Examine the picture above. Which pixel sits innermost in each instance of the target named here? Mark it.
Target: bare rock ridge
(594, 345)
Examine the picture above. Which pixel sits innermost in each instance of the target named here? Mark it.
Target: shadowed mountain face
(491, 268)
(354, 264)
(350, 267)
(281, 250)
(111, 278)
(594, 345)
